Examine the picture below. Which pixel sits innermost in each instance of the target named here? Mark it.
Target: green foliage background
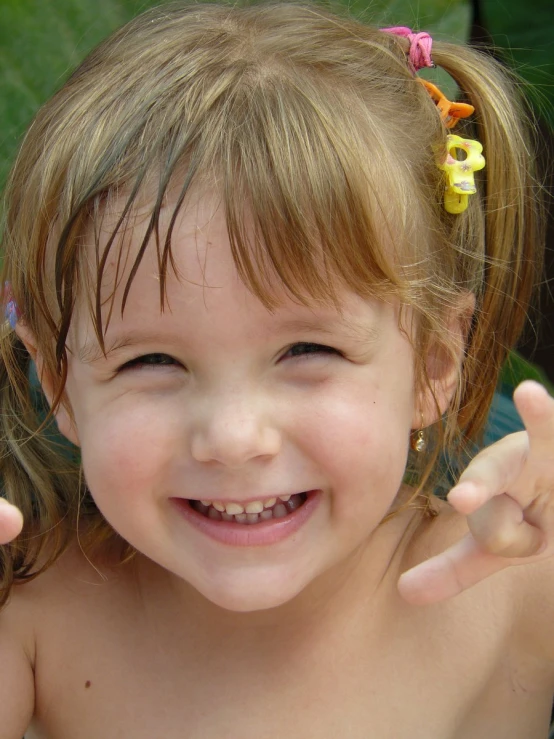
(523, 31)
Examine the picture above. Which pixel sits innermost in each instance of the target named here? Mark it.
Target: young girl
(244, 253)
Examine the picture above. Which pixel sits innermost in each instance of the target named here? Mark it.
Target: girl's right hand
(11, 521)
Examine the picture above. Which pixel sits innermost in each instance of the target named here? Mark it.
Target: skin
(242, 403)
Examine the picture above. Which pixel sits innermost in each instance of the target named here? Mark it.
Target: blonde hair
(313, 124)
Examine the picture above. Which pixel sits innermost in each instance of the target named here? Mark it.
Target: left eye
(150, 360)
(303, 348)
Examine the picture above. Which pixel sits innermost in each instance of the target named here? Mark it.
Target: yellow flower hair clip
(459, 172)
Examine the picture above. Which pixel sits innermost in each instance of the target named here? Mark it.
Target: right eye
(151, 361)
(303, 349)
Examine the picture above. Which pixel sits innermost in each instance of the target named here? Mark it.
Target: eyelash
(140, 362)
(311, 348)
(308, 348)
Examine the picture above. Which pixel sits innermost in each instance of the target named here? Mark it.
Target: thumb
(11, 521)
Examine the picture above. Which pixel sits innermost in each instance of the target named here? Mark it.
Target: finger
(490, 473)
(499, 527)
(458, 568)
(11, 521)
(536, 409)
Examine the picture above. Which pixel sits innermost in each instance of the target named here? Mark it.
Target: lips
(240, 532)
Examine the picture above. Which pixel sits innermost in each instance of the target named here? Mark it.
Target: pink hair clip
(419, 55)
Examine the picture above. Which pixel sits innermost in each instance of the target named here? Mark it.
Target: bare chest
(436, 676)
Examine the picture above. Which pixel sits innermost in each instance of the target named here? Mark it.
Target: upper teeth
(254, 506)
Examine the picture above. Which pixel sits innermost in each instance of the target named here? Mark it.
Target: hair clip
(449, 112)
(11, 312)
(419, 55)
(459, 172)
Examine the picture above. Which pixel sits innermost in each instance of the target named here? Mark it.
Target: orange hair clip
(450, 113)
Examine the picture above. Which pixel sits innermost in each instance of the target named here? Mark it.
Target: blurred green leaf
(446, 19)
(516, 370)
(525, 33)
(41, 41)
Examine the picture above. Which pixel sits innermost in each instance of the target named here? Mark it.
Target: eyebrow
(91, 351)
(352, 327)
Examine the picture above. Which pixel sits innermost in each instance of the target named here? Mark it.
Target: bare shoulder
(521, 596)
(534, 599)
(75, 580)
(498, 593)
(51, 625)
(17, 664)
(75, 587)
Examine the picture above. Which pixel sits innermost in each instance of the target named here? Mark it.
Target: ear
(443, 367)
(62, 414)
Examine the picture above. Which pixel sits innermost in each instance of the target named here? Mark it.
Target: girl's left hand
(507, 494)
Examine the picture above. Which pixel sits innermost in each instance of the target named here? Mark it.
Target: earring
(418, 442)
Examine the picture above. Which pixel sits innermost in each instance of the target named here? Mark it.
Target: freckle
(87, 684)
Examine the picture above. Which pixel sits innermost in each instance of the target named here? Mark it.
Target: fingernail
(537, 385)
(462, 487)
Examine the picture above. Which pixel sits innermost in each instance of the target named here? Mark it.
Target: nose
(233, 432)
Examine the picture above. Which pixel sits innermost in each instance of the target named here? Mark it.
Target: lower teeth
(279, 510)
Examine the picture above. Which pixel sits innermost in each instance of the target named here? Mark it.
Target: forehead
(125, 260)
(190, 245)
(202, 287)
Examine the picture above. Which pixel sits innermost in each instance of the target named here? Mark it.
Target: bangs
(318, 223)
(299, 194)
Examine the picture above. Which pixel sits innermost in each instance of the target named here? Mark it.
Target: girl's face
(217, 399)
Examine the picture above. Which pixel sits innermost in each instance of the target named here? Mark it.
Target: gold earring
(418, 442)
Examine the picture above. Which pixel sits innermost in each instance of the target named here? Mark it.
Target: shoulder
(53, 614)
(17, 664)
(534, 600)
(70, 581)
(490, 595)
(518, 600)
(46, 625)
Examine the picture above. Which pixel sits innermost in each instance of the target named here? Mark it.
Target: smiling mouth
(250, 513)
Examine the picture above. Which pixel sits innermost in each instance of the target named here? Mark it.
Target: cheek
(129, 448)
(357, 428)
(361, 442)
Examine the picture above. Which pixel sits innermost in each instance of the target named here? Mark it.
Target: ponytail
(503, 234)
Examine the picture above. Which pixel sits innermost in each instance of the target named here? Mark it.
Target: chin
(248, 594)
